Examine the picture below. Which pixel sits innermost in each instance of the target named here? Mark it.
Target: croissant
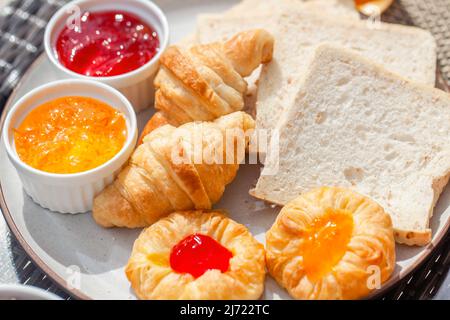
(204, 82)
(175, 169)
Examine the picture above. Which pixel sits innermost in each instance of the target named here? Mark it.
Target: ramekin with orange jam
(70, 135)
(68, 140)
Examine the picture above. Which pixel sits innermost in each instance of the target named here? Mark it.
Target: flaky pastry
(204, 82)
(150, 271)
(331, 243)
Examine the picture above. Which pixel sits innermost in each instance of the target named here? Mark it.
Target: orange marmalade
(70, 135)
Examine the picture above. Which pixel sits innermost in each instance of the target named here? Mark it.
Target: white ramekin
(68, 193)
(20, 292)
(136, 85)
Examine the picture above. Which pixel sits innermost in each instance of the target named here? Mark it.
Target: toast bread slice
(355, 124)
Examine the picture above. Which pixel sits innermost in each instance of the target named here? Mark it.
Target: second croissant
(175, 169)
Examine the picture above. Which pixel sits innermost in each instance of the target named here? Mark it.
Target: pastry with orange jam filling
(331, 243)
(196, 255)
(70, 135)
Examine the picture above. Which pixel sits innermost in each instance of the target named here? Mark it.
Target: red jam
(197, 254)
(107, 43)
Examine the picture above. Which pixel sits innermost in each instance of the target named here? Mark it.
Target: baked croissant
(175, 169)
(204, 82)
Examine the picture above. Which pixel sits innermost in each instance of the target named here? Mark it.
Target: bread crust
(422, 238)
(156, 121)
(182, 67)
(152, 278)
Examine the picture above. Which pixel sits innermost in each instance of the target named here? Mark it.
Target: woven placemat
(22, 25)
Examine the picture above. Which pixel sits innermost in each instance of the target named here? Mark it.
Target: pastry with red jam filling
(197, 255)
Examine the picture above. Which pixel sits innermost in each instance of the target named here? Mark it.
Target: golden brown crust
(181, 66)
(156, 121)
(413, 237)
(371, 247)
(204, 82)
(167, 105)
(248, 49)
(188, 178)
(151, 276)
(214, 58)
(156, 182)
(115, 213)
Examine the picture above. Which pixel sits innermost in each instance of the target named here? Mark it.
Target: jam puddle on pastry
(326, 242)
(107, 43)
(197, 254)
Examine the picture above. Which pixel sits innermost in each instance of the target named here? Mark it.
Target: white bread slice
(354, 124)
(343, 8)
(408, 51)
(251, 14)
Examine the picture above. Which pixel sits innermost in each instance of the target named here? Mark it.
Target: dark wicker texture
(22, 25)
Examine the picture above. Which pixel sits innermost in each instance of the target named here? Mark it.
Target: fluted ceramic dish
(88, 260)
(136, 85)
(69, 193)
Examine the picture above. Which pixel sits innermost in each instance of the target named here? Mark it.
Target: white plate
(88, 260)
